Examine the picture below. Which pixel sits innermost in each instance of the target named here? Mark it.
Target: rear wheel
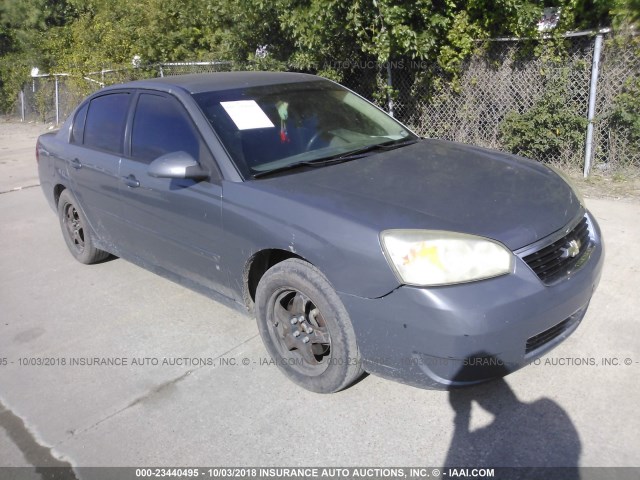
(75, 231)
(305, 327)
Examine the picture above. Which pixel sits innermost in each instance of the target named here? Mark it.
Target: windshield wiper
(292, 166)
(340, 158)
(390, 145)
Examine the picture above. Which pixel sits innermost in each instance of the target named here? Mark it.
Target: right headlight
(431, 257)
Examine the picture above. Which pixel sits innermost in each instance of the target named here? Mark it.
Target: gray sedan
(357, 245)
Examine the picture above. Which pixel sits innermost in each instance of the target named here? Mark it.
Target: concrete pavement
(215, 402)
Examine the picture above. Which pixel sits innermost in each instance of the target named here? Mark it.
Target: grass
(622, 184)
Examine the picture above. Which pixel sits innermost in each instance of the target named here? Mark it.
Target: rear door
(173, 224)
(93, 161)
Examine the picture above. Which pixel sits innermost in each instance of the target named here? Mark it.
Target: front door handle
(131, 181)
(75, 163)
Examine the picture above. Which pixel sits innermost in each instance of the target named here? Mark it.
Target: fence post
(390, 85)
(161, 71)
(57, 101)
(595, 70)
(22, 105)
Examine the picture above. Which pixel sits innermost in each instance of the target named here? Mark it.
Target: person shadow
(533, 435)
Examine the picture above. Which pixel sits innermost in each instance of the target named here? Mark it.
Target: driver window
(161, 126)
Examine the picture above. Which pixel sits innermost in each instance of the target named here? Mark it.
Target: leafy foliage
(23, 26)
(78, 36)
(548, 128)
(626, 114)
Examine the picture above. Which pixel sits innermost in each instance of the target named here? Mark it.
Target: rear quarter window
(77, 132)
(106, 118)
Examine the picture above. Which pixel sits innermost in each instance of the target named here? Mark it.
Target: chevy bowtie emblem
(573, 248)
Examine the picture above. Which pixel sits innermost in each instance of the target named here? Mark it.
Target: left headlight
(431, 257)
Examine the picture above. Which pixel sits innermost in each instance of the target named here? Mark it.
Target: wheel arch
(57, 191)
(257, 265)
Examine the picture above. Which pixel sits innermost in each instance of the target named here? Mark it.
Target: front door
(175, 224)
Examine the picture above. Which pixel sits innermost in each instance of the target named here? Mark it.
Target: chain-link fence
(48, 99)
(488, 104)
(529, 97)
(532, 98)
(617, 120)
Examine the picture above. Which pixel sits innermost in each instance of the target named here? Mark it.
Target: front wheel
(76, 232)
(306, 328)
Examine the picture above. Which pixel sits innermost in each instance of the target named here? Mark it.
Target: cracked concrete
(163, 389)
(33, 452)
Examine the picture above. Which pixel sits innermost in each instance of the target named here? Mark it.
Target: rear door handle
(131, 181)
(75, 163)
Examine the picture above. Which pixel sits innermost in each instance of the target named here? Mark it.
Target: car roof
(210, 82)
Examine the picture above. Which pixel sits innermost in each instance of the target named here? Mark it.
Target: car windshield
(271, 127)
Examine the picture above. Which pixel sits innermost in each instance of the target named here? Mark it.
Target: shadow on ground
(537, 434)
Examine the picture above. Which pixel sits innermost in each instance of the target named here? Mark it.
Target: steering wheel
(314, 139)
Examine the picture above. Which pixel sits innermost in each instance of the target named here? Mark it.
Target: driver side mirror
(177, 165)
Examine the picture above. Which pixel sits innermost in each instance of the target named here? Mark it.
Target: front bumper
(459, 335)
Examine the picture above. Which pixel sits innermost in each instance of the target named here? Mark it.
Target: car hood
(438, 185)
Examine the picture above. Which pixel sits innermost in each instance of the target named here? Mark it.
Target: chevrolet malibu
(358, 245)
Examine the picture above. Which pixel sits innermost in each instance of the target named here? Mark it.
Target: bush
(626, 113)
(547, 130)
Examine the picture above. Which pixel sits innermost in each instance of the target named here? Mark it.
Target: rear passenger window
(104, 127)
(160, 126)
(77, 132)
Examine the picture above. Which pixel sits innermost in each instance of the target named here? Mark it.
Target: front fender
(347, 252)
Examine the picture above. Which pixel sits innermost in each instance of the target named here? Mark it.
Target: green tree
(318, 35)
(23, 25)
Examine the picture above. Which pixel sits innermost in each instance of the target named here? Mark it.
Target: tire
(75, 231)
(323, 357)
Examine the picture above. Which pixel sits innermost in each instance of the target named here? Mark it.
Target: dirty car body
(358, 245)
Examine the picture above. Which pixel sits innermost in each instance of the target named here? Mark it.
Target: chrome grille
(556, 260)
